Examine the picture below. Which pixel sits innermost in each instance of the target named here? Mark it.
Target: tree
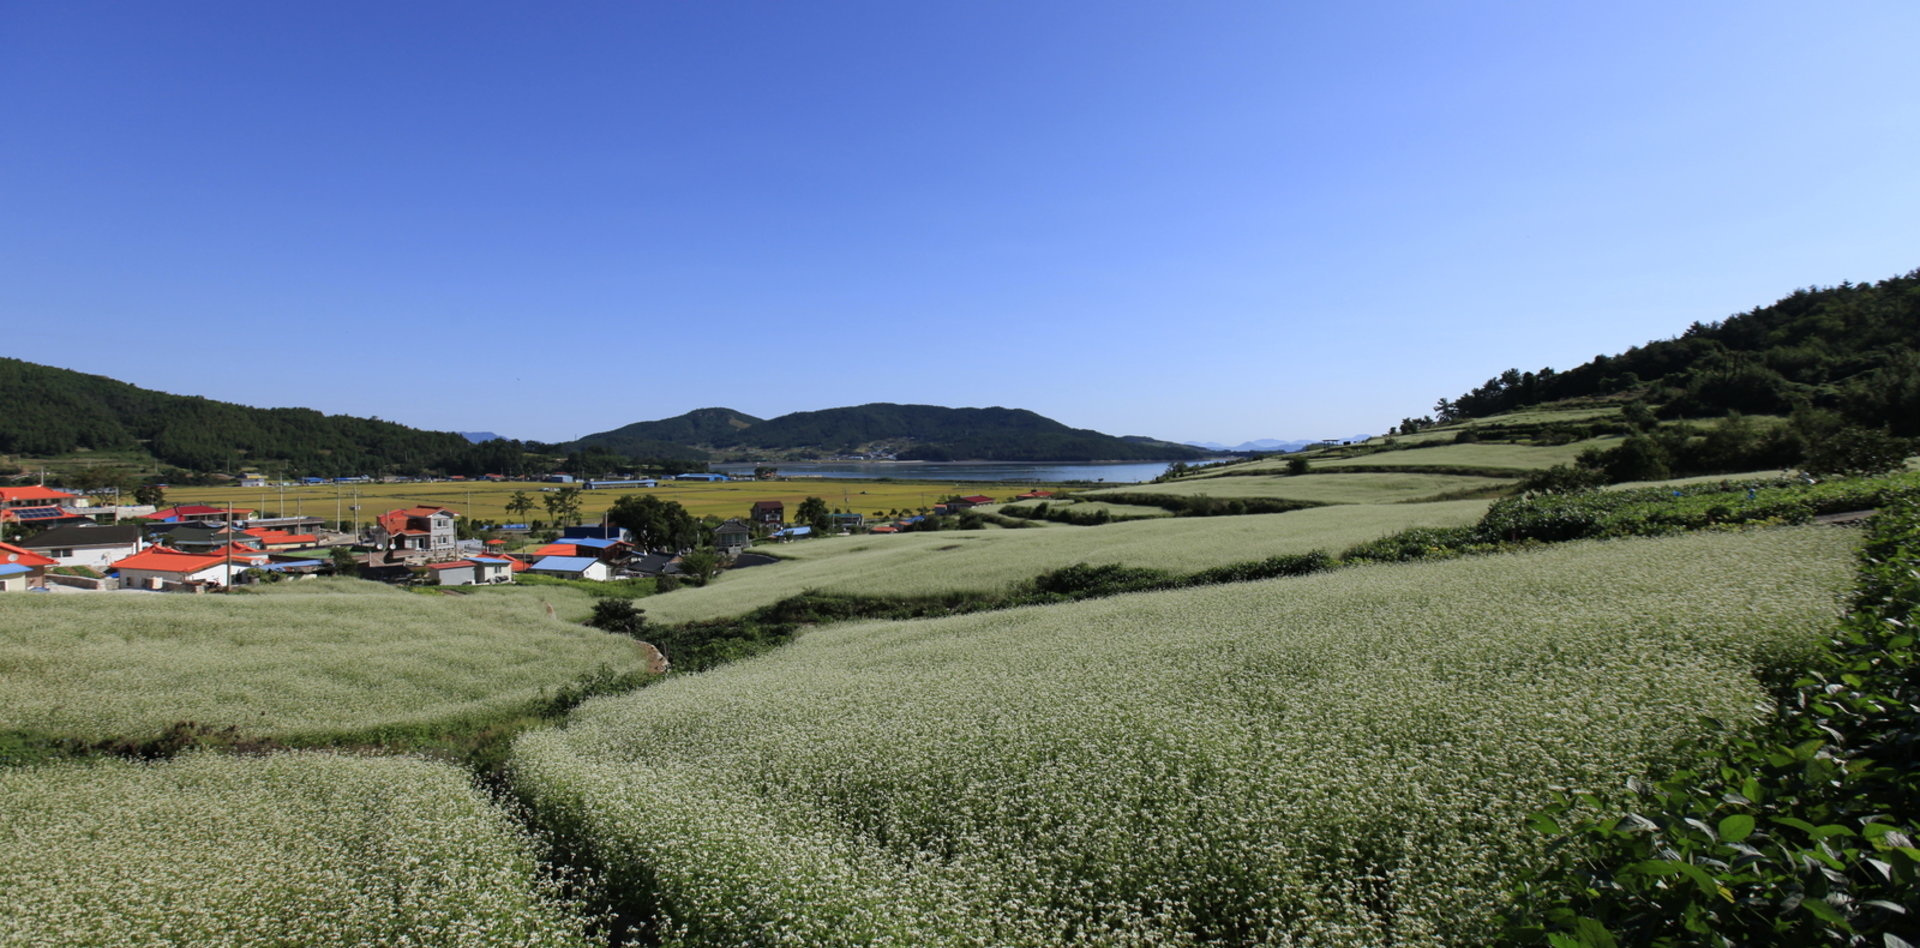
(618, 616)
(700, 565)
(520, 504)
(655, 524)
(564, 505)
(150, 494)
(344, 562)
(1298, 466)
(813, 513)
(1857, 452)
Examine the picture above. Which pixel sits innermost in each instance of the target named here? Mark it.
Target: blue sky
(1207, 220)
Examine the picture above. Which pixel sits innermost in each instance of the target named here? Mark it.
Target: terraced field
(295, 849)
(1351, 488)
(346, 658)
(1337, 760)
(949, 561)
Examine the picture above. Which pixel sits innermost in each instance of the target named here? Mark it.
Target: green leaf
(1825, 912)
(1593, 934)
(1736, 827)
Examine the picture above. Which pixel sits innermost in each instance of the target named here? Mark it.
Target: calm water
(965, 471)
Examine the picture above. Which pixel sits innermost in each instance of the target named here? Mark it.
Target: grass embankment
(1341, 759)
(294, 849)
(918, 564)
(1354, 488)
(348, 663)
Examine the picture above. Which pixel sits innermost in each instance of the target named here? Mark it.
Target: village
(54, 540)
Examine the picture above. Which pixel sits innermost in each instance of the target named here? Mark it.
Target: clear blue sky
(1206, 220)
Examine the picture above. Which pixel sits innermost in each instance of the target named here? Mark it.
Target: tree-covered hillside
(914, 432)
(52, 411)
(679, 433)
(1847, 348)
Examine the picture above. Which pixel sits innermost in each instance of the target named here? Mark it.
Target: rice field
(351, 658)
(295, 849)
(985, 561)
(488, 501)
(1342, 759)
(1352, 488)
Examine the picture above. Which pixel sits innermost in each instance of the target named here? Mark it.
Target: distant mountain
(1269, 445)
(478, 436)
(908, 432)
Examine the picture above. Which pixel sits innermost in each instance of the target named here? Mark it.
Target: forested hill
(1849, 348)
(660, 438)
(51, 411)
(912, 432)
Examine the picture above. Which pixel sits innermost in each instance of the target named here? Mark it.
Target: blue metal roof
(793, 532)
(488, 559)
(565, 564)
(290, 564)
(595, 542)
(13, 569)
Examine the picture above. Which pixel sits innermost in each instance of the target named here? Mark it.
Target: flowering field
(296, 849)
(349, 658)
(988, 560)
(1339, 759)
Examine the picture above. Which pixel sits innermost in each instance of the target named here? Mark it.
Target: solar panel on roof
(38, 513)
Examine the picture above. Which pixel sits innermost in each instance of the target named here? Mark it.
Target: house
(772, 513)
(572, 567)
(21, 568)
(791, 533)
(653, 564)
(885, 528)
(597, 531)
(706, 478)
(35, 495)
(428, 530)
(732, 537)
(196, 537)
(289, 524)
(199, 513)
(1034, 495)
(86, 544)
(279, 539)
(848, 521)
(976, 500)
(253, 480)
(161, 567)
(473, 571)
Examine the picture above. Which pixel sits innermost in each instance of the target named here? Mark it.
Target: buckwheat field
(295, 849)
(1343, 759)
(349, 658)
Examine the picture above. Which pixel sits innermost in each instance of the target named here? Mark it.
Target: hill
(1847, 348)
(909, 432)
(53, 411)
(660, 438)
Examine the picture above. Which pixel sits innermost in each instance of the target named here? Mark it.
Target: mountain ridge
(888, 429)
